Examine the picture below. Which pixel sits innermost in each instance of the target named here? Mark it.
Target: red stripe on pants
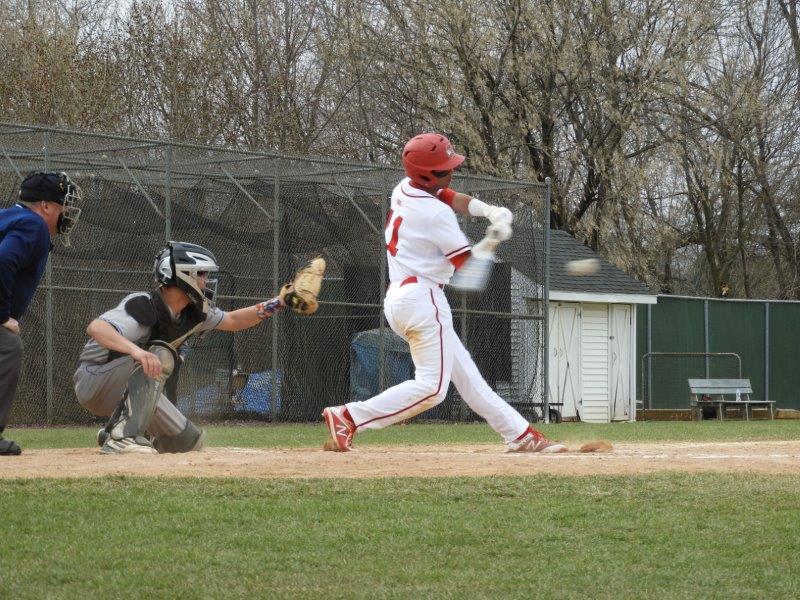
(441, 373)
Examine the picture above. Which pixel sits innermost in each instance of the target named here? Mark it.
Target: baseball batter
(424, 247)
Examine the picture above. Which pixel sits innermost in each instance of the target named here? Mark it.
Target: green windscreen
(739, 327)
(784, 371)
(677, 326)
(733, 327)
(641, 346)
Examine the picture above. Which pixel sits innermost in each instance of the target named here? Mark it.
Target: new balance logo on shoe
(340, 427)
(533, 441)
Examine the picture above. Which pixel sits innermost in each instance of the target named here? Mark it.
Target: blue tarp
(365, 362)
(254, 397)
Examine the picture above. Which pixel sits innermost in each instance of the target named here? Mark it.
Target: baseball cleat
(102, 437)
(201, 441)
(533, 441)
(9, 448)
(341, 428)
(128, 445)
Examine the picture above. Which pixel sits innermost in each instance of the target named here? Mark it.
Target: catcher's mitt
(301, 294)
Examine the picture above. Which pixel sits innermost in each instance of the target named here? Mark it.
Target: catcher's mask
(58, 188)
(188, 266)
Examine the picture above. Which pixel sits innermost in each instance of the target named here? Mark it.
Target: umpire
(46, 209)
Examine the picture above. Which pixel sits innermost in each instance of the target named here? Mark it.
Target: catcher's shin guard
(190, 439)
(143, 394)
(105, 432)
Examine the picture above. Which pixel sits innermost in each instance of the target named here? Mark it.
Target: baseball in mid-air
(581, 268)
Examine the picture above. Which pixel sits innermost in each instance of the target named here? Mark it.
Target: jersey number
(391, 247)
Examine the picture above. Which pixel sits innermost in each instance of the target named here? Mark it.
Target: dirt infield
(410, 461)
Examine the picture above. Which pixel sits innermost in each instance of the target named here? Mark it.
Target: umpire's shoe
(128, 445)
(9, 448)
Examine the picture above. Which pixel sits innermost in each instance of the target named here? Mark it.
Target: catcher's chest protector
(151, 311)
(167, 330)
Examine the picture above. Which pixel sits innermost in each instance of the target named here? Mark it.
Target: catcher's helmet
(426, 153)
(58, 188)
(180, 264)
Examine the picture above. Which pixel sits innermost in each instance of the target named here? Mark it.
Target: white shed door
(620, 359)
(594, 406)
(564, 373)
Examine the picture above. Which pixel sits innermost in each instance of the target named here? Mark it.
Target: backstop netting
(263, 215)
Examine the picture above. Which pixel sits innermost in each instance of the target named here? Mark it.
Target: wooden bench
(722, 393)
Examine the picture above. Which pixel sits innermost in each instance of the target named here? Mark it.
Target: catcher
(124, 368)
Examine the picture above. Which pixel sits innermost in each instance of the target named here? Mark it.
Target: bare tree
(58, 67)
(668, 128)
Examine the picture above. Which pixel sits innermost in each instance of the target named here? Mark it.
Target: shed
(592, 336)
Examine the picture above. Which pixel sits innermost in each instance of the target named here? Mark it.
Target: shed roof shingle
(608, 280)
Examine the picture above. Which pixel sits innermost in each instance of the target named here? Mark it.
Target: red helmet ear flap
(426, 153)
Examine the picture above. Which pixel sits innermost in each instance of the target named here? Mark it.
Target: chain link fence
(665, 375)
(263, 215)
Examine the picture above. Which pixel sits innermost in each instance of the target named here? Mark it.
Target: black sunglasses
(440, 174)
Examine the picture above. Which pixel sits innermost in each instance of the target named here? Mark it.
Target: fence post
(649, 363)
(49, 308)
(464, 315)
(546, 303)
(386, 203)
(276, 251)
(463, 295)
(462, 410)
(766, 351)
(706, 340)
(168, 192)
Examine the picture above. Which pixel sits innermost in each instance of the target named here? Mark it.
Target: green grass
(661, 536)
(294, 436)
(669, 535)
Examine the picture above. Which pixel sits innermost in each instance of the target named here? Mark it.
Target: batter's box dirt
(409, 461)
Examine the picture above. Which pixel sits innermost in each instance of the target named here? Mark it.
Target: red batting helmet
(426, 153)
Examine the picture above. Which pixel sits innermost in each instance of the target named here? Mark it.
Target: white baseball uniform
(422, 235)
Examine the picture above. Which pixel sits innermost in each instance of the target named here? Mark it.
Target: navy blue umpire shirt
(24, 247)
